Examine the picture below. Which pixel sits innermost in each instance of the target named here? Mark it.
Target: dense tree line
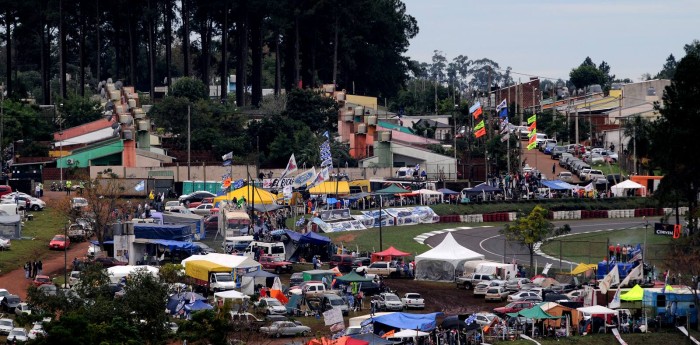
(267, 44)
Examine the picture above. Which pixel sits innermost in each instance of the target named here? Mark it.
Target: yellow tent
(582, 268)
(249, 192)
(634, 294)
(331, 187)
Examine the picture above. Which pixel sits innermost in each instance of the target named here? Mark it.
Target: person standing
(26, 270)
(554, 167)
(69, 184)
(314, 261)
(37, 191)
(39, 267)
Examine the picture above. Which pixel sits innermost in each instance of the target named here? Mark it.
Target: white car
(171, 204)
(78, 203)
(481, 288)
(5, 243)
(37, 331)
(18, 334)
(496, 293)
(6, 326)
(23, 308)
(413, 300)
(522, 294)
(3, 293)
(484, 319)
(270, 306)
(202, 209)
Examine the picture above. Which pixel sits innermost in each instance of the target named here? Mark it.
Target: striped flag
(479, 126)
(477, 113)
(532, 119)
(501, 105)
(480, 133)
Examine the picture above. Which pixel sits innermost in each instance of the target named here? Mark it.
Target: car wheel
(304, 333)
(277, 335)
(278, 270)
(35, 208)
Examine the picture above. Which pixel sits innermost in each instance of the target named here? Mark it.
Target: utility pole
(189, 136)
(576, 123)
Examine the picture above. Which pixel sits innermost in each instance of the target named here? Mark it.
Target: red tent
(340, 341)
(388, 254)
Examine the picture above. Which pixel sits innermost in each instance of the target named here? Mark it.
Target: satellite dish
(115, 133)
(109, 80)
(115, 125)
(109, 106)
(118, 85)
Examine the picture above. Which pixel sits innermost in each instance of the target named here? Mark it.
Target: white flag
(610, 279)
(635, 274)
(321, 176)
(501, 105)
(140, 186)
(305, 177)
(291, 167)
(615, 303)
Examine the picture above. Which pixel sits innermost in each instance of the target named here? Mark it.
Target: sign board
(663, 229)
(331, 215)
(271, 183)
(333, 316)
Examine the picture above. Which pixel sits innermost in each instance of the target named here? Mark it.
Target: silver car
(18, 334)
(285, 328)
(6, 326)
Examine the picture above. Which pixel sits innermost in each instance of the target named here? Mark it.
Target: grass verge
(665, 336)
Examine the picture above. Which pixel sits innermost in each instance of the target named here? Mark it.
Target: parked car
(520, 295)
(496, 293)
(413, 300)
(330, 301)
(245, 321)
(6, 326)
(276, 264)
(557, 151)
(59, 242)
(361, 261)
(482, 288)
(211, 222)
(285, 328)
(595, 175)
(197, 196)
(563, 158)
(594, 158)
(518, 284)
(548, 147)
(484, 319)
(370, 288)
(380, 268)
(78, 203)
(3, 293)
(107, 262)
(610, 156)
(203, 248)
(342, 261)
(566, 176)
(170, 204)
(202, 209)
(388, 301)
(583, 173)
(470, 280)
(269, 306)
(23, 309)
(5, 243)
(36, 331)
(25, 202)
(17, 335)
(40, 280)
(296, 279)
(4, 190)
(10, 302)
(514, 307)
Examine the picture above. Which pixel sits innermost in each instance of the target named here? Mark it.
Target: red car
(273, 263)
(211, 222)
(59, 242)
(41, 280)
(514, 307)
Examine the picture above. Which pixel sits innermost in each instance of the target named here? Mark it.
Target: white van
(10, 209)
(238, 243)
(274, 249)
(541, 137)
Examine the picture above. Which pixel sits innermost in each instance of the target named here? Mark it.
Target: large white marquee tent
(445, 261)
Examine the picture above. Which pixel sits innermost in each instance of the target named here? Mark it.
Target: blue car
(548, 149)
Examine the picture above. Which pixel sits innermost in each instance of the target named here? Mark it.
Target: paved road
(487, 241)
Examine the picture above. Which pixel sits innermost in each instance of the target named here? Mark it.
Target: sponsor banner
(333, 215)
(271, 183)
(663, 229)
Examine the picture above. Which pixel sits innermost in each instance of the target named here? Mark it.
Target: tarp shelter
(596, 310)
(556, 309)
(230, 294)
(116, 273)
(582, 268)
(331, 187)
(393, 189)
(251, 195)
(11, 226)
(459, 321)
(177, 232)
(621, 188)
(178, 301)
(558, 185)
(408, 333)
(353, 277)
(195, 221)
(622, 269)
(198, 305)
(372, 338)
(200, 269)
(421, 322)
(445, 261)
(318, 275)
(232, 261)
(634, 294)
(388, 254)
(426, 194)
(447, 191)
(250, 279)
(482, 188)
(309, 237)
(534, 313)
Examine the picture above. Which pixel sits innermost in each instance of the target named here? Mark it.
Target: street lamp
(644, 251)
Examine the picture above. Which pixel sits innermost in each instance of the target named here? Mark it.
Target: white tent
(226, 260)
(230, 294)
(426, 194)
(116, 273)
(445, 261)
(596, 310)
(620, 188)
(407, 333)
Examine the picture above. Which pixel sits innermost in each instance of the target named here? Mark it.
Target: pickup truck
(210, 276)
(413, 300)
(277, 264)
(77, 233)
(470, 280)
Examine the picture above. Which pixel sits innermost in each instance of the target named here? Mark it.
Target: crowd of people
(32, 269)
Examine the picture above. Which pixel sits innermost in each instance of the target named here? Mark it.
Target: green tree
(669, 68)
(190, 88)
(674, 135)
(76, 110)
(318, 112)
(145, 296)
(530, 229)
(586, 75)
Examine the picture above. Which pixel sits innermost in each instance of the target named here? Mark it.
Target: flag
(226, 183)
(615, 303)
(532, 119)
(533, 133)
(501, 105)
(504, 138)
(140, 186)
(291, 167)
(474, 107)
(471, 319)
(227, 156)
(237, 184)
(668, 273)
(532, 126)
(479, 126)
(503, 113)
(480, 133)
(325, 134)
(612, 278)
(321, 176)
(227, 162)
(636, 273)
(531, 146)
(304, 178)
(589, 187)
(637, 253)
(477, 113)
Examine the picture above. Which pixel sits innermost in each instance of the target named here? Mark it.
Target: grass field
(36, 235)
(665, 336)
(592, 247)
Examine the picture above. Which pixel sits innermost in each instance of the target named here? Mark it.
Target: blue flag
(503, 113)
(474, 107)
(140, 186)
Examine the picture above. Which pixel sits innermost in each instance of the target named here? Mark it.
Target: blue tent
(177, 301)
(482, 188)
(421, 322)
(310, 237)
(557, 185)
(447, 191)
(198, 305)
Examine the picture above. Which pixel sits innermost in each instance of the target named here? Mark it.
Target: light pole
(2, 128)
(644, 251)
(65, 255)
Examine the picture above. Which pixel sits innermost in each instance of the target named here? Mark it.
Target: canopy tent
(251, 195)
(388, 254)
(426, 194)
(445, 261)
(331, 187)
(226, 260)
(198, 305)
(318, 275)
(556, 309)
(634, 294)
(393, 189)
(408, 333)
(353, 277)
(357, 196)
(459, 321)
(309, 237)
(421, 322)
(10, 226)
(447, 191)
(582, 268)
(482, 188)
(230, 294)
(620, 188)
(372, 339)
(534, 313)
(557, 185)
(596, 310)
(250, 279)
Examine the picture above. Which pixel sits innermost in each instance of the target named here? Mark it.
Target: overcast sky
(548, 38)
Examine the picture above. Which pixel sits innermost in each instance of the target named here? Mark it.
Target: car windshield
(6, 322)
(413, 295)
(58, 238)
(337, 301)
(273, 302)
(391, 298)
(224, 278)
(493, 291)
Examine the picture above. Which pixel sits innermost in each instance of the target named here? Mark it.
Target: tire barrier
(564, 215)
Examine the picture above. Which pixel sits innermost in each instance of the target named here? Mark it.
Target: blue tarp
(97, 243)
(421, 322)
(162, 232)
(198, 305)
(447, 191)
(622, 268)
(172, 245)
(557, 185)
(310, 237)
(482, 188)
(178, 301)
